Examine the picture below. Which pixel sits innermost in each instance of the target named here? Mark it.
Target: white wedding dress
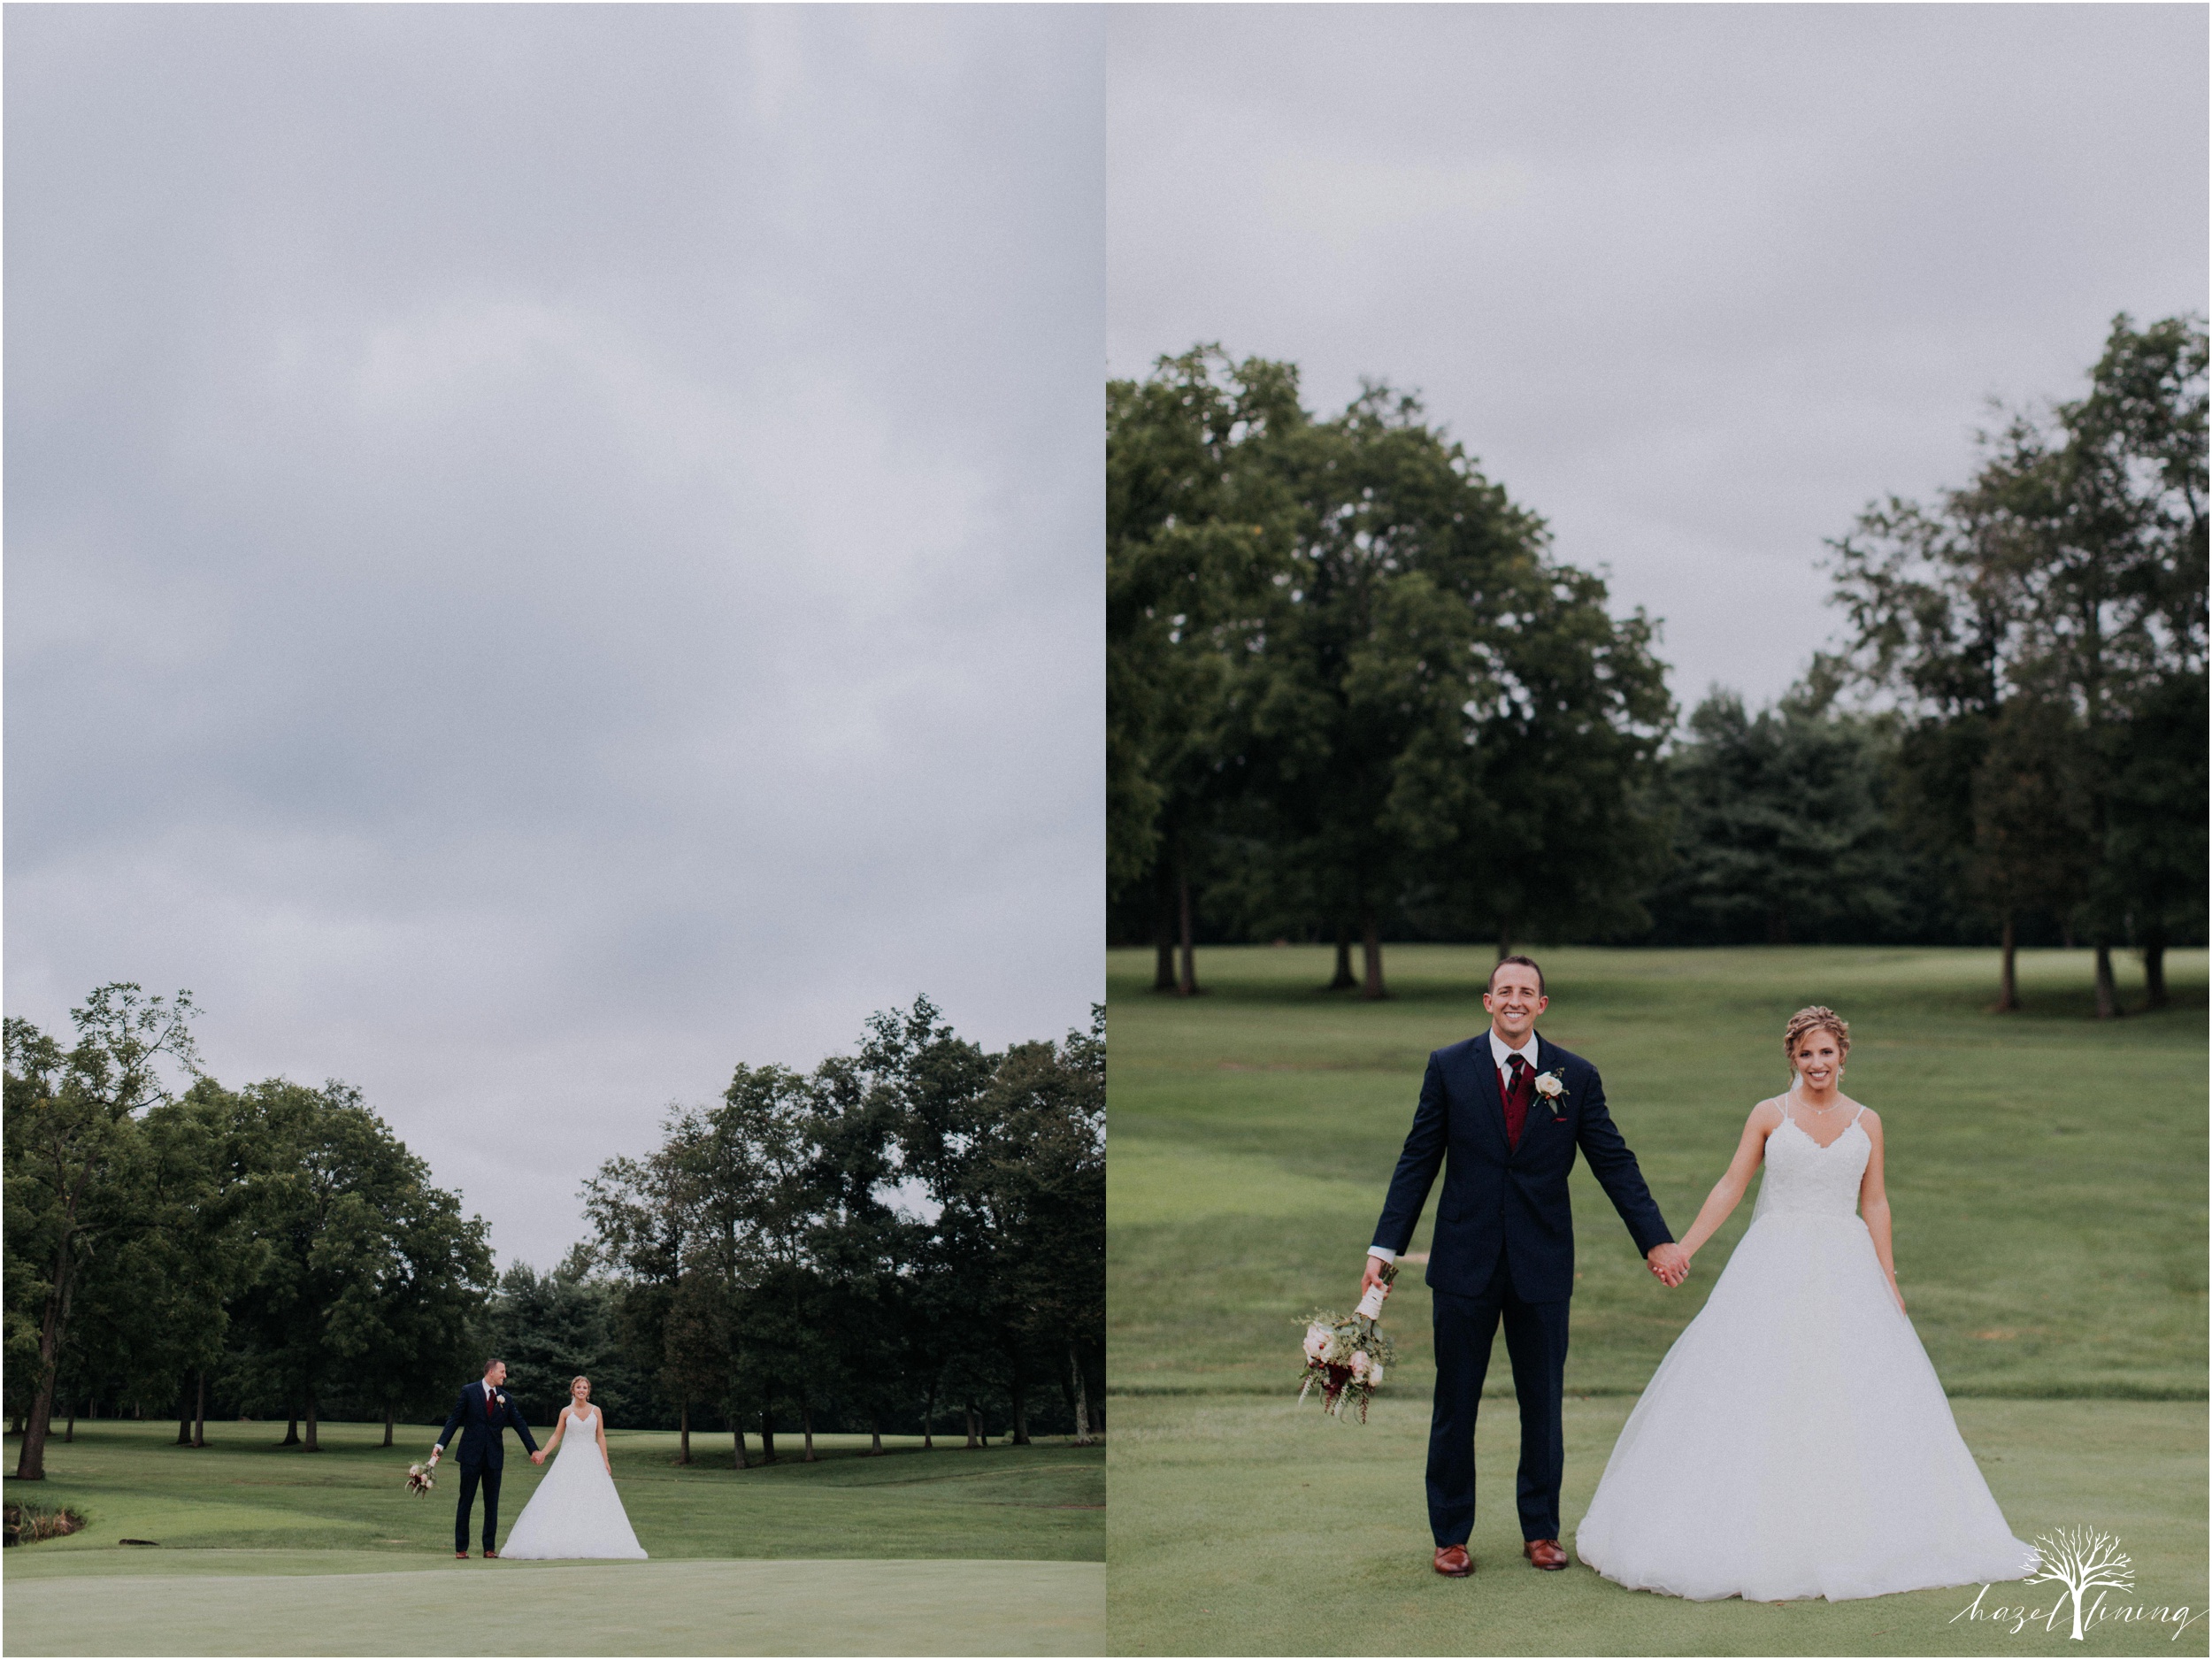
(1795, 1443)
(575, 1512)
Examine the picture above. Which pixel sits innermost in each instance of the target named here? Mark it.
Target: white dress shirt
(1501, 1055)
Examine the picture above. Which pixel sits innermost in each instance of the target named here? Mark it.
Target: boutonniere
(1553, 1089)
(501, 1399)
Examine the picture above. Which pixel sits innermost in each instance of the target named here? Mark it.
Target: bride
(1795, 1442)
(575, 1512)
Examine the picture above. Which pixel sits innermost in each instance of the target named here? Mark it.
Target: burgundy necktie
(1517, 1097)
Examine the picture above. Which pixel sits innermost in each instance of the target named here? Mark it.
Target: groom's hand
(538, 1458)
(1669, 1263)
(1374, 1273)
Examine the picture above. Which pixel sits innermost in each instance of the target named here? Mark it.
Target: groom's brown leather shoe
(1452, 1562)
(1545, 1553)
(493, 1556)
(460, 1555)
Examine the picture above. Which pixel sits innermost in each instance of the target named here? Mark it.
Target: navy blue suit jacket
(480, 1422)
(1500, 1197)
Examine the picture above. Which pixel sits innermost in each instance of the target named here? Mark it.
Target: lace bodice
(1805, 1178)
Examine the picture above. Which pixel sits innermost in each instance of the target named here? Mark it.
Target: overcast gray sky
(552, 550)
(1697, 283)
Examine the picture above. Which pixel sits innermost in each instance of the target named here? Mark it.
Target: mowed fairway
(269, 1550)
(2047, 1174)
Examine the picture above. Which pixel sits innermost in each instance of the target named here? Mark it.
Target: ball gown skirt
(1795, 1440)
(575, 1512)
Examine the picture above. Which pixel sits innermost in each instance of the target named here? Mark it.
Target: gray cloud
(1695, 282)
(553, 550)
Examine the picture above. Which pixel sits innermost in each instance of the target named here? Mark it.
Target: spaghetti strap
(1856, 1116)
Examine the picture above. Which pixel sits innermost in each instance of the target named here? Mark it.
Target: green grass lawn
(2047, 1174)
(1004, 1541)
(1245, 1525)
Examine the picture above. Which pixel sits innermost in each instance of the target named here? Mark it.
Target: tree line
(915, 1229)
(168, 1239)
(1352, 696)
(276, 1251)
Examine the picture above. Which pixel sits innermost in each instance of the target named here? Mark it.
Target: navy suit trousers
(471, 1475)
(1536, 1343)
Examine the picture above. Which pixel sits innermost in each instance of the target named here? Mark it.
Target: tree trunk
(312, 1408)
(1505, 940)
(388, 1422)
(1343, 979)
(1371, 947)
(2008, 980)
(30, 1465)
(199, 1416)
(929, 1418)
(737, 1437)
(2108, 993)
(1082, 1398)
(2155, 969)
(184, 1415)
(69, 1430)
(1021, 1411)
(1162, 930)
(292, 1428)
(806, 1428)
(683, 1432)
(875, 1435)
(1187, 985)
(973, 1442)
(767, 1436)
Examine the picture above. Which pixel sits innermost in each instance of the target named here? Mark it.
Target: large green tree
(1197, 523)
(1441, 720)
(2067, 577)
(371, 1274)
(77, 1169)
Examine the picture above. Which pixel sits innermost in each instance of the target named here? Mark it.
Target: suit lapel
(1493, 1111)
(1546, 1058)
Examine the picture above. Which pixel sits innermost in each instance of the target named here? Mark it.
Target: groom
(481, 1414)
(1503, 1114)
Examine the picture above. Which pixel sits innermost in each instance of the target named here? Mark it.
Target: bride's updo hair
(1819, 1017)
(578, 1378)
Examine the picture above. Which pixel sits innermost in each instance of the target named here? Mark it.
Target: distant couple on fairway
(574, 1513)
(1795, 1442)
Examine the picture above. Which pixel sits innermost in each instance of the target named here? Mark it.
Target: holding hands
(1670, 1263)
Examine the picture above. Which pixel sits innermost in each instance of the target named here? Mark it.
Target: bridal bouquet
(419, 1479)
(1347, 1355)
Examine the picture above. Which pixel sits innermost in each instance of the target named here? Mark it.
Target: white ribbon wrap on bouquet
(1370, 1305)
